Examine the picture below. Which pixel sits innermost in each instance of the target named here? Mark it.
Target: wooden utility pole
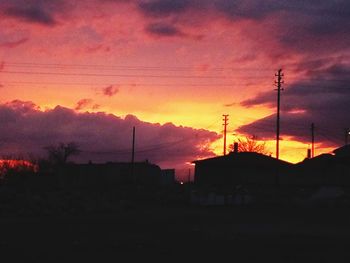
(133, 146)
(133, 155)
(278, 83)
(225, 130)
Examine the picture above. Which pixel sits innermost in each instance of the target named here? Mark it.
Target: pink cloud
(111, 90)
(101, 137)
(83, 103)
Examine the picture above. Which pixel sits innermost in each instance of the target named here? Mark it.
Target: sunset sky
(88, 71)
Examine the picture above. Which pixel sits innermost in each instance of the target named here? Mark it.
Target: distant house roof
(343, 151)
(339, 156)
(319, 160)
(244, 158)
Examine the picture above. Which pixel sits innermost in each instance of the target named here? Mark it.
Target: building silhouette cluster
(248, 168)
(237, 178)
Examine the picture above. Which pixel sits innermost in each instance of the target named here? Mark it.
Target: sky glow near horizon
(172, 68)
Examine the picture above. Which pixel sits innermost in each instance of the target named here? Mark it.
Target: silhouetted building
(325, 169)
(240, 168)
(343, 152)
(168, 176)
(109, 174)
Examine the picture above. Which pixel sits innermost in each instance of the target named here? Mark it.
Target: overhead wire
(148, 75)
(137, 67)
(117, 83)
(52, 66)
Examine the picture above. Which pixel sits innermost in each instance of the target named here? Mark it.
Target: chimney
(308, 154)
(235, 147)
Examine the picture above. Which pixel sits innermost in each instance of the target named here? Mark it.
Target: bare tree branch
(250, 144)
(59, 154)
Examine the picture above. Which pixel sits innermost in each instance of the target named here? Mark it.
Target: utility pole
(278, 83)
(133, 154)
(225, 130)
(312, 140)
(133, 146)
(347, 133)
(189, 175)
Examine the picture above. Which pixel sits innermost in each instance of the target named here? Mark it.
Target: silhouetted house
(343, 152)
(314, 171)
(342, 160)
(168, 176)
(325, 169)
(110, 174)
(240, 168)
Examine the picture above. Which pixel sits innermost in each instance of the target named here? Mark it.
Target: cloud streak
(83, 104)
(163, 30)
(13, 44)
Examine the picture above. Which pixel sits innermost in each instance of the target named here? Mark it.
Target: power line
(162, 76)
(121, 84)
(111, 75)
(143, 149)
(152, 76)
(147, 148)
(138, 67)
(329, 137)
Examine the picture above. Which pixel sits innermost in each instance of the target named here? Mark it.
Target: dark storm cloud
(323, 98)
(239, 9)
(31, 14)
(254, 9)
(164, 7)
(34, 11)
(163, 29)
(297, 26)
(101, 137)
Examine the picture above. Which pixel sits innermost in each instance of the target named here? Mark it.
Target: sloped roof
(244, 158)
(318, 160)
(343, 151)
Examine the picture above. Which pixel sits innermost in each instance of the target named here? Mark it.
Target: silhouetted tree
(59, 154)
(250, 144)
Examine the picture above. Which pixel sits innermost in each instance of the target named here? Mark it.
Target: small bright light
(181, 182)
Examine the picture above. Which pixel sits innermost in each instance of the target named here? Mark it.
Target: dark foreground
(181, 233)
